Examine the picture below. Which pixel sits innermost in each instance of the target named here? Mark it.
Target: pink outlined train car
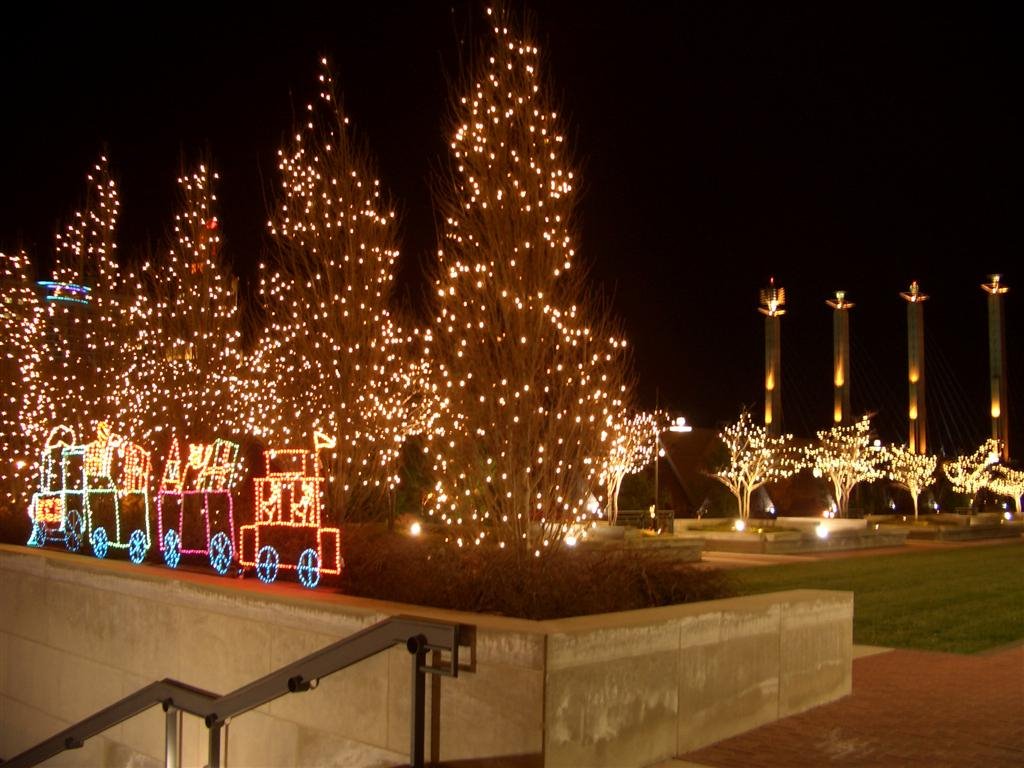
(194, 506)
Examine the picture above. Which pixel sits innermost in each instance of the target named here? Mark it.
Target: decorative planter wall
(793, 535)
(625, 689)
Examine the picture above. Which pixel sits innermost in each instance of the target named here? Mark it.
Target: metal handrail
(419, 636)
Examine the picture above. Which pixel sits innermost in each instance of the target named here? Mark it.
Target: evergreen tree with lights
(331, 357)
(755, 459)
(531, 372)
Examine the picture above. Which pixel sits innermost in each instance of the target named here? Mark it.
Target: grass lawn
(957, 600)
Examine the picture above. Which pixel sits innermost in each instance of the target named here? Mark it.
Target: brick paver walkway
(908, 708)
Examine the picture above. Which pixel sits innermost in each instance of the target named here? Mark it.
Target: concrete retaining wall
(626, 689)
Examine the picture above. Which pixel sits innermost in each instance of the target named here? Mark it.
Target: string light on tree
(85, 347)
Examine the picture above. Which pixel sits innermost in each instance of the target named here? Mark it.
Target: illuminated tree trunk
(745, 505)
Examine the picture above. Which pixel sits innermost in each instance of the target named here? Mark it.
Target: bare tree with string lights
(183, 378)
(1007, 481)
(970, 473)
(755, 458)
(531, 371)
(846, 456)
(633, 438)
(332, 358)
(21, 423)
(88, 336)
(910, 470)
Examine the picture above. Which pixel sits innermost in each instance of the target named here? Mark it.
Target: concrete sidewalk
(908, 708)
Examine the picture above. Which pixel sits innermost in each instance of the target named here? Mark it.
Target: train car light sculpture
(287, 533)
(79, 499)
(198, 487)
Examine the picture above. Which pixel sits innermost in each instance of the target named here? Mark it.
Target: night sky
(851, 147)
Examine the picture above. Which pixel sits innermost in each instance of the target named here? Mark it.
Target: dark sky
(855, 147)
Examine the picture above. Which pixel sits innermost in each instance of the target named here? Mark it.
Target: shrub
(571, 582)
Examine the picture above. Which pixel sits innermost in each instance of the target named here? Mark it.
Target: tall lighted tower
(997, 362)
(841, 358)
(773, 302)
(916, 440)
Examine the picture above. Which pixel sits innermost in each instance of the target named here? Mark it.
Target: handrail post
(172, 743)
(213, 755)
(418, 648)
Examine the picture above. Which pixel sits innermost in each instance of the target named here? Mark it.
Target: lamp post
(678, 425)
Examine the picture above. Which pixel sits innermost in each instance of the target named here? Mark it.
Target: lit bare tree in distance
(755, 458)
(910, 470)
(846, 456)
(970, 474)
(634, 443)
(1006, 481)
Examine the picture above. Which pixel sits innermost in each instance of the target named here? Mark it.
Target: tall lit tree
(846, 456)
(330, 343)
(20, 327)
(755, 458)
(187, 324)
(531, 372)
(86, 338)
(909, 470)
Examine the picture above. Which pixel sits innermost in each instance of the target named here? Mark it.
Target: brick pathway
(908, 708)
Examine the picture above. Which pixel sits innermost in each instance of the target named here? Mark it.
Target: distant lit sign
(69, 292)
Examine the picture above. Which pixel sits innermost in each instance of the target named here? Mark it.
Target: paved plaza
(908, 708)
